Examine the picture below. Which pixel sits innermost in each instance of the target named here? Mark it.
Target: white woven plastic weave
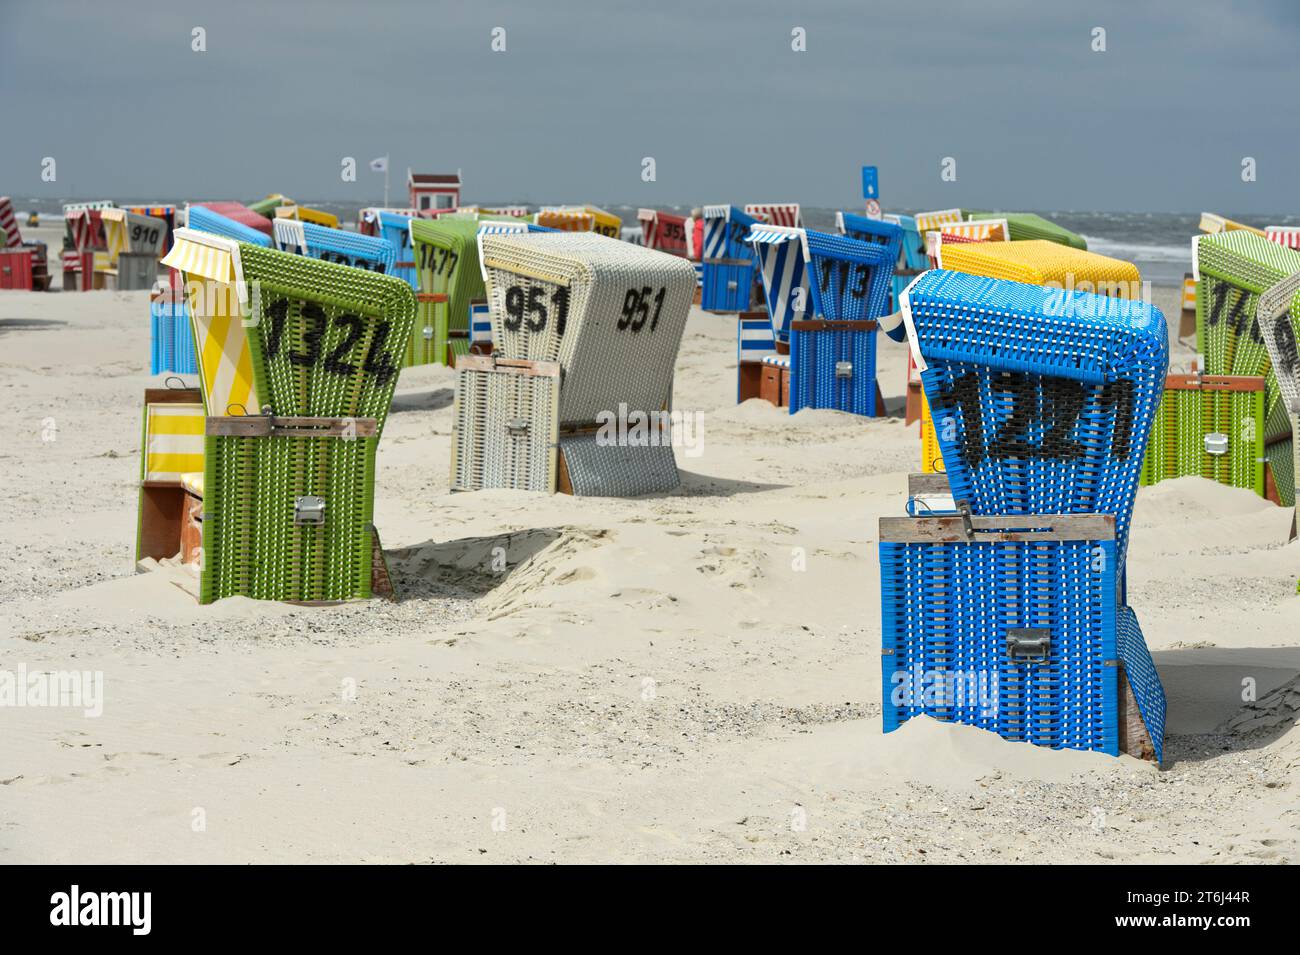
(610, 312)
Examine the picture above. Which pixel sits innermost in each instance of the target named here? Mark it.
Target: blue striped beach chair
(728, 261)
(755, 344)
(203, 219)
(480, 328)
(1010, 614)
(825, 295)
(335, 245)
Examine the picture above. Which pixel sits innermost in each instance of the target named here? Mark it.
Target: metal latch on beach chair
(844, 369)
(517, 427)
(1216, 443)
(309, 509)
(1028, 644)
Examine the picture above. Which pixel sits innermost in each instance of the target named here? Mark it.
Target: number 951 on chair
(575, 396)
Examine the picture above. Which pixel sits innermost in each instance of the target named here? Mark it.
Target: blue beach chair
(728, 274)
(335, 245)
(203, 219)
(1010, 615)
(825, 295)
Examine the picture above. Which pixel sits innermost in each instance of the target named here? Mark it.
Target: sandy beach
(692, 677)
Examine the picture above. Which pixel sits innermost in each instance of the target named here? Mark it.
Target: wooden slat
(256, 426)
(810, 325)
(1031, 527)
(508, 366)
(932, 483)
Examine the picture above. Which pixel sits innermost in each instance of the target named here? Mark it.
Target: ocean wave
(1138, 250)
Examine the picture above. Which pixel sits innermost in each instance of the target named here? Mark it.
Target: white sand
(650, 680)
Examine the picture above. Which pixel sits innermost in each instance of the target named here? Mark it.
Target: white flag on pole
(379, 165)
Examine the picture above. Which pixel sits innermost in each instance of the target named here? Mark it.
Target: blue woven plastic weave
(872, 230)
(1042, 398)
(729, 264)
(947, 610)
(342, 247)
(205, 220)
(171, 340)
(395, 228)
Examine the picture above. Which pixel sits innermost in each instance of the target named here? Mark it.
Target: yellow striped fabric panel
(927, 221)
(986, 230)
(115, 234)
(1189, 294)
(225, 363)
(173, 441)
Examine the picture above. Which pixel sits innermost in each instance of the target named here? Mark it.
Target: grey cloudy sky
(712, 90)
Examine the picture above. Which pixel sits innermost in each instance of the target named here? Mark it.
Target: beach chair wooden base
(775, 385)
(1061, 665)
(164, 509)
(1211, 426)
(288, 508)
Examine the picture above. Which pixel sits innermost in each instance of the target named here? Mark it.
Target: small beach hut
(433, 190)
(586, 331)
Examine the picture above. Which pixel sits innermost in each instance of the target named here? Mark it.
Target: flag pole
(385, 182)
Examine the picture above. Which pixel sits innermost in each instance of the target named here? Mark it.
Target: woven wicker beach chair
(446, 260)
(335, 245)
(1278, 319)
(663, 231)
(1027, 225)
(1233, 268)
(586, 331)
(877, 231)
(201, 218)
(1014, 605)
(826, 295)
(776, 213)
(728, 259)
(288, 495)
(170, 337)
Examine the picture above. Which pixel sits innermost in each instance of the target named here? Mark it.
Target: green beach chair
(1232, 269)
(288, 494)
(1027, 225)
(446, 263)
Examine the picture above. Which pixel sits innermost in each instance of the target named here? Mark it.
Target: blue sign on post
(870, 183)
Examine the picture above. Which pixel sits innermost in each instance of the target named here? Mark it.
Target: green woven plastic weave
(326, 339)
(251, 545)
(446, 261)
(1027, 225)
(1234, 268)
(1176, 447)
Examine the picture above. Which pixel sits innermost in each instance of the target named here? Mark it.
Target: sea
(1158, 243)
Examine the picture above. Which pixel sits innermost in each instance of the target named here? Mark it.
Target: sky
(1013, 91)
